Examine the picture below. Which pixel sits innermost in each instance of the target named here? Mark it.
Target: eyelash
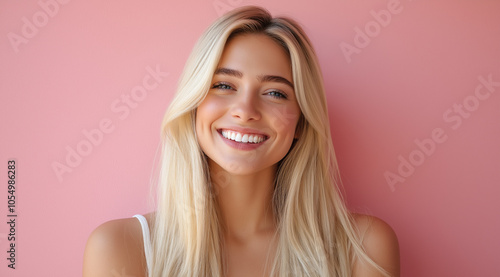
(274, 94)
(280, 95)
(220, 85)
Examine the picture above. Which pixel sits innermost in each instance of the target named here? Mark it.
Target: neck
(245, 201)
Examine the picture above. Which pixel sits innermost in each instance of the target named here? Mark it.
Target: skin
(241, 96)
(244, 178)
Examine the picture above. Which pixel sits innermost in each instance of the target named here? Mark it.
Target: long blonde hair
(316, 234)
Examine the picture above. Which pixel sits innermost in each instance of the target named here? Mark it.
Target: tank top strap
(148, 250)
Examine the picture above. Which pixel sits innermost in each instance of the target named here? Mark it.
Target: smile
(241, 137)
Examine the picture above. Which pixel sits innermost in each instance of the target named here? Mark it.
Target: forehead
(256, 54)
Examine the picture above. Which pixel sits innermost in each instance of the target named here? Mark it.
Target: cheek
(202, 126)
(212, 105)
(285, 119)
(206, 113)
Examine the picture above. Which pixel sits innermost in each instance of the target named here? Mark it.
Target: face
(247, 122)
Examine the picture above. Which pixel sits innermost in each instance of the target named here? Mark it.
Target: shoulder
(115, 248)
(380, 243)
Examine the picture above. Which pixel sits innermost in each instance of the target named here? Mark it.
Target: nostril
(245, 112)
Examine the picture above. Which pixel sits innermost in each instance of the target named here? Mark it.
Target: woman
(248, 183)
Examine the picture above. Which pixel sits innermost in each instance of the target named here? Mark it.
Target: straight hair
(316, 235)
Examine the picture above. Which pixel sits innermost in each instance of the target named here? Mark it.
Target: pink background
(67, 75)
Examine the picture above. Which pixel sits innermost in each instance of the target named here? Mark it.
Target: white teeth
(243, 138)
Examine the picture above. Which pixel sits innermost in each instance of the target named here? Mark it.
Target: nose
(245, 106)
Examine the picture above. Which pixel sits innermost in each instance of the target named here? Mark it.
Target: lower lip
(241, 145)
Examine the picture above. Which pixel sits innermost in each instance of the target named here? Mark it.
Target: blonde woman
(248, 184)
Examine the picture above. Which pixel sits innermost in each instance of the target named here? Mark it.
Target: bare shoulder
(381, 245)
(115, 248)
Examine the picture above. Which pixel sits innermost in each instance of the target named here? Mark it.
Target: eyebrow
(262, 78)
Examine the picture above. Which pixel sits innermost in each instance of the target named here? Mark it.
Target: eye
(222, 86)
(277, 94)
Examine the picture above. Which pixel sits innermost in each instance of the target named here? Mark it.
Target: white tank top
(148, 251)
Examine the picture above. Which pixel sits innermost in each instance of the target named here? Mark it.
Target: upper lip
(242, 130)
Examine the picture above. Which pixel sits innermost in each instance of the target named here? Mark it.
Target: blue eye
(221, 86)
(277, 94)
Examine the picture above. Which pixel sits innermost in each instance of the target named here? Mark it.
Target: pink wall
(414, 78)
